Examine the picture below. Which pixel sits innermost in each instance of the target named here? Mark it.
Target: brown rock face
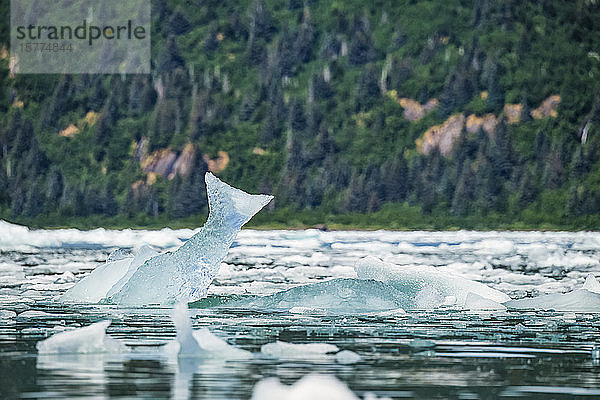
(513, 113)
(218, 164)
(414, 111)
(165, 162)
(160, 162)
(184, 162)
(442, 136)
(547, 108)
(488, 123)
(69, 131)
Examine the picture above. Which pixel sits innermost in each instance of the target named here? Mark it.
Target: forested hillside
(399, 114)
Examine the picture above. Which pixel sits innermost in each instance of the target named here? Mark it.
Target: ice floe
(280, 349)
(586, 299)
(413, 280)
(89, 339)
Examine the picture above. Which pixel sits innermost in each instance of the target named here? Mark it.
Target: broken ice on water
(186, 273)
(90, 339)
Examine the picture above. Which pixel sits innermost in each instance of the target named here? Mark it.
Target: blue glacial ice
(428, 287)
(181, 275)
(381, 286)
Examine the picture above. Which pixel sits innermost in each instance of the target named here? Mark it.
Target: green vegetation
(294, 93)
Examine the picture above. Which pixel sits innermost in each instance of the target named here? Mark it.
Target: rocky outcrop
(488, 123)
(217, 164)
(90, 119)
(69, 131)
(513, 113)
(160, 162)
(165, 162)
(547, 108)
(413, 110)
(183, 164)
(442, 136)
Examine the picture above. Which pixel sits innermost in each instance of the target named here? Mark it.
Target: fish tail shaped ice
(186, 273)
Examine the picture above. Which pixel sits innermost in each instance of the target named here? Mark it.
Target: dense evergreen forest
(396, 114)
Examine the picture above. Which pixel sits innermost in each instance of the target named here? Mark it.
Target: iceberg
(180, 275)
(280, 349)
(586, 299)
(478, 303)
(579, 300)
(591, 284)
(90, 339)
(381, 287)
(347, 357)
(414, 280)
(339, 296)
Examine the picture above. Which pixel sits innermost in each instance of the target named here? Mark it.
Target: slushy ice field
(423, 353)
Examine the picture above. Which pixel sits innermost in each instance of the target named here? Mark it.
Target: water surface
(423, 354)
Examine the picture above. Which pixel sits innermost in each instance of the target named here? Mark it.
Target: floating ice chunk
(586, 299)
(580, 300)
(391, 313)
(186, 273)
(94, 287)
(337, 295)
(305, 310)
(195, 343)
(312, 386)
(591, 284)
(477, 302)
(89, 339)
(297, 350)
(65, 277)
(35, 314)
(7, 314)
(411, 280)
(347, 357)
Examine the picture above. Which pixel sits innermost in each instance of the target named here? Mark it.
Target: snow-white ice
(201, 342)
(347, 357)
(89, 339)
(280, 349)
(586, 299)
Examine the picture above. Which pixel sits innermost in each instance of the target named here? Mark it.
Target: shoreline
(299, 224)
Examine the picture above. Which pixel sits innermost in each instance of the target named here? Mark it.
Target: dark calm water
(425, 354)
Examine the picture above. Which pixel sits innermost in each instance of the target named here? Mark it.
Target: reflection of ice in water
(184, 274)
(312, 386)
(86, 354)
